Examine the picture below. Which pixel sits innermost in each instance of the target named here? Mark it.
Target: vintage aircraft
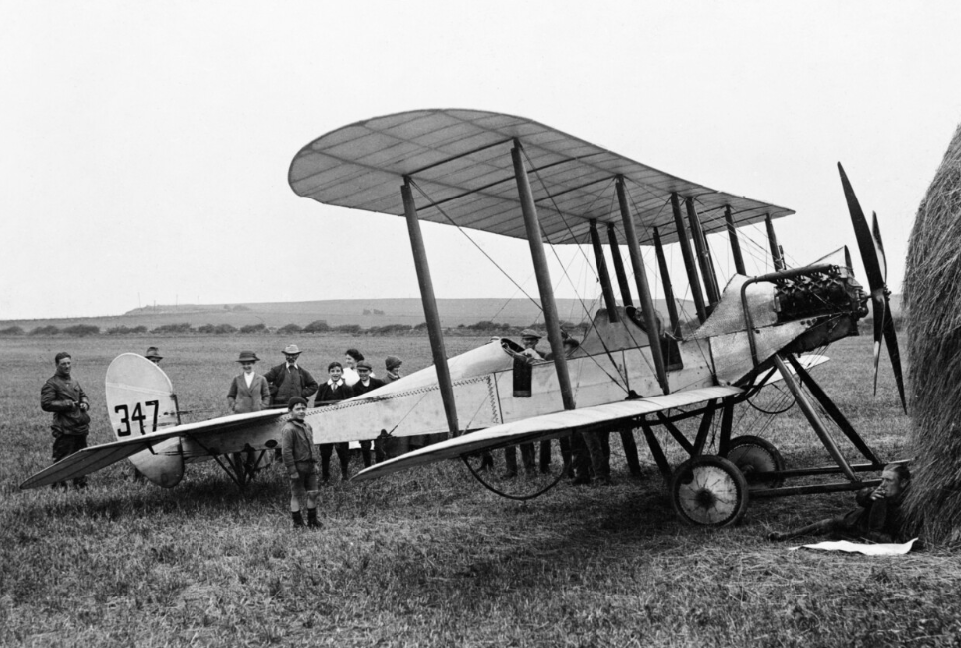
(473, 169)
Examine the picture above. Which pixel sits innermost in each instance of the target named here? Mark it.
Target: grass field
(430, 558)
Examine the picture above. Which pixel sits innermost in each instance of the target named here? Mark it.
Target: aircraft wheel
(709, 491)
(753, 455)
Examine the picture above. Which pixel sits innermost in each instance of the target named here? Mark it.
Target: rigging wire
(461, 230)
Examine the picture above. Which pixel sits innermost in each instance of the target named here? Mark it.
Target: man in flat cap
(289, 379)
(64, 396)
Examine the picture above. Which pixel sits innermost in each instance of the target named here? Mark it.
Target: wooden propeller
(876, 268)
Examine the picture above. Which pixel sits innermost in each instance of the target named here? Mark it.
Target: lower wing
(545, 426)
(94, 458)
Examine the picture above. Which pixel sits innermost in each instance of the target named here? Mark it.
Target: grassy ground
(428, 557)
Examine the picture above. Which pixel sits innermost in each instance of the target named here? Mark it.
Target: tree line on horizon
(317, 326)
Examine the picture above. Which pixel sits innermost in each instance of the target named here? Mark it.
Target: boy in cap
(366, 383)
(300, 461)
(393, 364)
(64, 396)
(289, 379)
(334, 391)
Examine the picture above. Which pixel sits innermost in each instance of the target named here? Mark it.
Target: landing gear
(241, 467)
(708, 490)
(753, 455)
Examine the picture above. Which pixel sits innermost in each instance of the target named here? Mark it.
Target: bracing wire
(461, 229)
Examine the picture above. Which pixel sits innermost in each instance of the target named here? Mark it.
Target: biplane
(512, 176)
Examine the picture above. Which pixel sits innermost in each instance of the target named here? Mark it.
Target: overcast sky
(146, 145)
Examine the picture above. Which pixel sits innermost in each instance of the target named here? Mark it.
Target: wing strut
(668, 288)
(542, 273)
(735, 242)
(688, 259)
(643, 288)
(703, 255)
(777, 254)
(431, 314)
(602, 274)
(619, 266)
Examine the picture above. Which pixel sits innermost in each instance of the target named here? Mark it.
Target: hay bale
(932, 296)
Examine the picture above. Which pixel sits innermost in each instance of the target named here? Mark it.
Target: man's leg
(527, 455)
(380, 453)
(566, 453)
(599, 459)
(365, 452)
(816, 528)
(343, 453)
(510, 462)
(581, 459)
(545, 458)
(630, 450)
(326, 450)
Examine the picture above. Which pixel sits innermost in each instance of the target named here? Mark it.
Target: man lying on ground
(877, 518)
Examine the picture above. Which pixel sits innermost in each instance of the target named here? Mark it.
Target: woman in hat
(248, 392)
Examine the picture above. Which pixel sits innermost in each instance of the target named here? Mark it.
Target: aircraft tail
(140, 401)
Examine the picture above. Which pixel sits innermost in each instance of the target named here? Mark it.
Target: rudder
(140, 401)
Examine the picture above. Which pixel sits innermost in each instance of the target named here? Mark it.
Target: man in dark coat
(877, 518)
(364, 385)
(64, 396)
(289, 379)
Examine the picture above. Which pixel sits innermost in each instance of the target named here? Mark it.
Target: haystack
(932, 293)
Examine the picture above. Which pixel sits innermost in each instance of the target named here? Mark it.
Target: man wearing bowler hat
(289, 379)
(248, 392)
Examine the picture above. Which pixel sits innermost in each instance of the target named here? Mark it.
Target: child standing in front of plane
(300, 460)
(334, 391)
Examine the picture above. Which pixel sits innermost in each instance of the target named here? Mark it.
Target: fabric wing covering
(544, 426)
(459, 163)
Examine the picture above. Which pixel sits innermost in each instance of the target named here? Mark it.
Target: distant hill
(365, 312)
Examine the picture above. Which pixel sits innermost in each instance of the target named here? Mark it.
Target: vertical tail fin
(140, 401)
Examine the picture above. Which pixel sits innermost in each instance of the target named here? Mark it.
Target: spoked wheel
(709, 491)
(754, 455)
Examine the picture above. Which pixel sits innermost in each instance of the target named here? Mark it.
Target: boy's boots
(299, 519)
(312, 518)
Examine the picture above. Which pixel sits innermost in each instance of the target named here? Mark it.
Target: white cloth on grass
(866, 549)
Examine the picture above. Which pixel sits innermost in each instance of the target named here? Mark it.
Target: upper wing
(544, 426)
(92, 459)
(461, 161)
